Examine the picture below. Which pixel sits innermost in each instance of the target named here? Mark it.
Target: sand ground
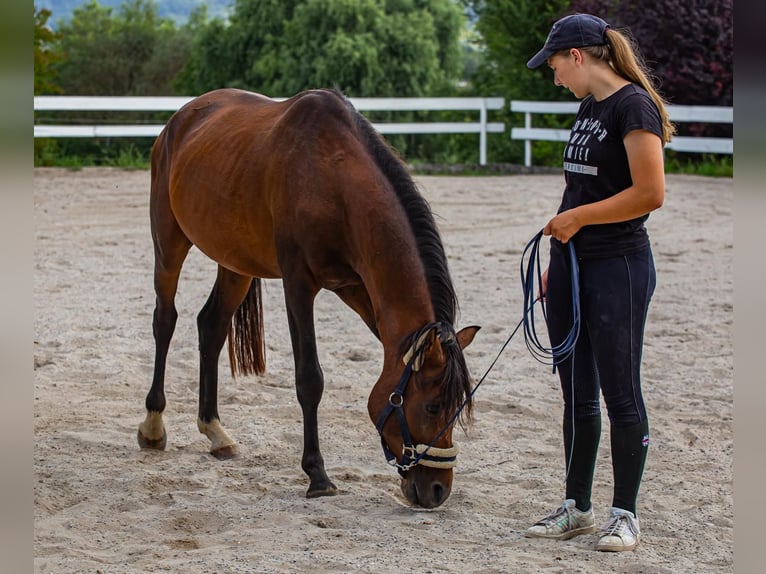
(103, 505)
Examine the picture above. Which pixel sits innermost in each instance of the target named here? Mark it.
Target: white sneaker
(620, 532)
(565, 522)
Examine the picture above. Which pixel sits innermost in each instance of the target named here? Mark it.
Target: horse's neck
(388, 261)
(399, 295)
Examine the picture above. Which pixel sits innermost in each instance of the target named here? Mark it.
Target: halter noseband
(425, 455)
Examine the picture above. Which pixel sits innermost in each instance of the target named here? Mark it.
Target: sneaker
(620, 532)
(563, 523)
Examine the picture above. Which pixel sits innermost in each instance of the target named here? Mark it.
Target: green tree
(45, 54)
(364, 47)
(511, 32)
(130, 52)
(45, 76)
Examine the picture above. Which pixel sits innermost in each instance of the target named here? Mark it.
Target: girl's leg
(579, 384)
(615, 304)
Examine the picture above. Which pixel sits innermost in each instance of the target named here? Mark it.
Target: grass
(710, 165)
(130, 158)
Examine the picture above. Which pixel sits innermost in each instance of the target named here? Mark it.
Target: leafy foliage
(512, 32)
(176, 10)
(45, 55)
(45, 76)
(101, 52)
(689, 44)
(363, 47)
(132, 52)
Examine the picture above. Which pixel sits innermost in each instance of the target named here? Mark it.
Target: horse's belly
(251, 264)
(228, 233)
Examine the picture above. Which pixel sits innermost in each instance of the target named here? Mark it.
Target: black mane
(430, 247)
(456, 382)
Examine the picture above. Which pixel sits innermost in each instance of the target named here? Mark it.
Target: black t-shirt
(596, 167)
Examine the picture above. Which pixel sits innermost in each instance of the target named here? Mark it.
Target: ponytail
(622, 54)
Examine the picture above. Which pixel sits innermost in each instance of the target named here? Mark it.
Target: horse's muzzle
(426, 487)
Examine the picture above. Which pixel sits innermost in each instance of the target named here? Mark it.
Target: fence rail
(88, 103)
(482, 105)
(679, 114)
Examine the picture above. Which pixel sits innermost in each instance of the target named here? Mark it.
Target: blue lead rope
(563, 350)
(547, 355)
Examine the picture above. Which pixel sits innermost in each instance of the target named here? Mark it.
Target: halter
(429, 455)
(413, 454)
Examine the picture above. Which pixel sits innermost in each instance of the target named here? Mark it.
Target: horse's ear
(466, 334)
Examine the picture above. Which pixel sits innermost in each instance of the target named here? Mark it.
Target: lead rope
(566, 349)
(422, 453)
(562, 351)
(556, 354)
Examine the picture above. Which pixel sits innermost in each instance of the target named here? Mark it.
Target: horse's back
(231, 163)
(230, 120)
(211, 126)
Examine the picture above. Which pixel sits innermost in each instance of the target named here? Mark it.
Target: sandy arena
(103, 505)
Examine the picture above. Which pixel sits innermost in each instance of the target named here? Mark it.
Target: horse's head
(414, 405)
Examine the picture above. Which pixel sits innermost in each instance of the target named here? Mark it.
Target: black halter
(426, 455)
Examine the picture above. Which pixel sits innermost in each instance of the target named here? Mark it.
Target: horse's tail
(247, 349)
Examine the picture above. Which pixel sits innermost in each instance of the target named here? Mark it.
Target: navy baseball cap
(573, 31)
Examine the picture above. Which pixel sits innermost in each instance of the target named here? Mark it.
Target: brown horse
(305, 190)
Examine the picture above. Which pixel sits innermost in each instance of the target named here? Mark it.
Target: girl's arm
(647, 193)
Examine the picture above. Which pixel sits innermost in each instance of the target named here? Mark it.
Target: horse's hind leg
(168, 259)
(213, 324)
(170, 249)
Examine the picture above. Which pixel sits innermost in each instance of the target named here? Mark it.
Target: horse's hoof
(225, 452)
(153, 443)
(316, 492)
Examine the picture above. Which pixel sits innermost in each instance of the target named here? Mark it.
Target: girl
(614, 174)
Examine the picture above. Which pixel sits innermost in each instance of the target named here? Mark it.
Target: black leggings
(614, 299)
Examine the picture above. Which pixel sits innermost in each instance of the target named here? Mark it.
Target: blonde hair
(621, 53)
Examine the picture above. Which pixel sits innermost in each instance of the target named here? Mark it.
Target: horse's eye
(433, 408)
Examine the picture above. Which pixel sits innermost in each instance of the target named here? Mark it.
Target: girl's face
(567, 71)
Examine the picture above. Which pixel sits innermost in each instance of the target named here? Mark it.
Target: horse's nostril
(439, 493)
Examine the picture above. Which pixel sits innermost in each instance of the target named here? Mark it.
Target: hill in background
(177, 10)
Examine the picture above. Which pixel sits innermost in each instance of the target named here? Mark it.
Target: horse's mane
(456, 382)
(418, 212)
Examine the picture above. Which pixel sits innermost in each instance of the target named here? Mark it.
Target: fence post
(483, 133)
(527, 143)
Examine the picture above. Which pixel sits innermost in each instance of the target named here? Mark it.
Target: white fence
(85, 103)
(701, 114)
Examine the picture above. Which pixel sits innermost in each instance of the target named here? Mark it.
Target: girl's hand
(543, 286)
(564, 225)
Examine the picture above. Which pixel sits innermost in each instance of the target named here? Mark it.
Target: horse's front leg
(213, 325)
(309, 382)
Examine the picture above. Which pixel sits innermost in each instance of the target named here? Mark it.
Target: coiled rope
(563, 350)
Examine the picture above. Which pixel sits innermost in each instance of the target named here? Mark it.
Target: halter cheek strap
(425, 455)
